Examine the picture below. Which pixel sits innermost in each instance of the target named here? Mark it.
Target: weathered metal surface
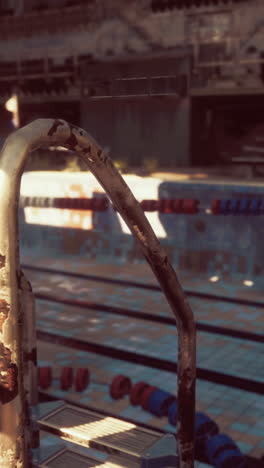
(30, 370)
(14, 435)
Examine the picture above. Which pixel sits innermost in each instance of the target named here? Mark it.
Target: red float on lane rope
(136, 392)
(82, 379)
(176, 206)
(44, 377)
(120, 386)
(146, 396)
(190, 206)
(66, 378)
(215, 207)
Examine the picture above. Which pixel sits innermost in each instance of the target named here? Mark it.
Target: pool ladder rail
(19, 369)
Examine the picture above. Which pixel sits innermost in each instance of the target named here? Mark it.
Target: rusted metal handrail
(15, 433)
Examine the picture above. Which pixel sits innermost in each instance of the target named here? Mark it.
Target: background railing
(53, 20)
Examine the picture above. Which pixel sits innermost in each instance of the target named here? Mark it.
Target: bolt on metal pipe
(14, 428)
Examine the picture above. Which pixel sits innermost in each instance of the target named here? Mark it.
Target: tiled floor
(240, 414)
(142, 273)
(216, 312)
(219, 353)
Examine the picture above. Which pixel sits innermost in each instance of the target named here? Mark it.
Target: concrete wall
(141, 128)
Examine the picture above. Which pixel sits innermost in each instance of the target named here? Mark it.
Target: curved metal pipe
(14, 434)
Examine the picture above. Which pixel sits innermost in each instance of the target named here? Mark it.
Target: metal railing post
(15, 430)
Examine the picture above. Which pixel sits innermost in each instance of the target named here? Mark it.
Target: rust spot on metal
(186, 407)
(71, 142)
(4, 310)
(8, 376)
(54, 127)
(22, 281)
(104, 157)
(86, 150)
(2, 261)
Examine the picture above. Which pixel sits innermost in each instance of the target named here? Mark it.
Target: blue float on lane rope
(222, 452)
(159, 402)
